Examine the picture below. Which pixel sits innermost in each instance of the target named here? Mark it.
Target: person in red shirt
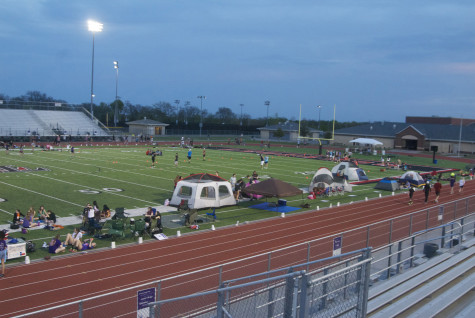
(437, 188)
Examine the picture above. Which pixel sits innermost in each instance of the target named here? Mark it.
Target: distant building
(290, 130)
(146, 127)
(418, 133)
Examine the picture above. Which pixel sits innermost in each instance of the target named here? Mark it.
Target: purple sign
(337, 243)
(144, 297)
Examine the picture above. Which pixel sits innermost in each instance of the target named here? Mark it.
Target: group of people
(427, 188)
(33, 218)
(92, 214)
(264, 160)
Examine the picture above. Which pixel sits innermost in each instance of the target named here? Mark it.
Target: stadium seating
(25, 122)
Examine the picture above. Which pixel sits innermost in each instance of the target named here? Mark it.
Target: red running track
(44, 284)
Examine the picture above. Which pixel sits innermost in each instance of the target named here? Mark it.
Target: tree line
(185, 116)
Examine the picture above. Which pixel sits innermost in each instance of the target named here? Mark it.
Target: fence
(398, 241)
(340, 288)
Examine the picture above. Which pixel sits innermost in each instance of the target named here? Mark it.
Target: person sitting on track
(74, 239)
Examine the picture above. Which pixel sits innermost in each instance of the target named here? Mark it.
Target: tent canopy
(203, 177)
(367, 141)
(273, 188)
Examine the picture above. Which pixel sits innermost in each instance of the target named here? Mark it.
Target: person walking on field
(189, 155)
(411, 194)
(461, 184)
(204, 154)
(427, 190)
(176, 159)
(437, 188)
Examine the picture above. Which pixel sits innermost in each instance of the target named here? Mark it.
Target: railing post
(390, 231)
(151, 311)
(413, 242)
(399, 248)
(427, 219)
(442, 240)
(455, 211)
(346, 281)
(324, 290)
(364, 288)
(220, 275)
(80, 309)
(220, 305)
(308, 255)
(389, 260)
(159, 290)
(451, 243)
(289, 297)
(303, 296)
(367, 235)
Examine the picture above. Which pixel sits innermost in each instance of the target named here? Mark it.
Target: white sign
(16, 250)
(160, 236)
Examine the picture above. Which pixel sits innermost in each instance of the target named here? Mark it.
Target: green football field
(121, 176)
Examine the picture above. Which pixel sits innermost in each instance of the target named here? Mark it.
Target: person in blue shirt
(189, 155)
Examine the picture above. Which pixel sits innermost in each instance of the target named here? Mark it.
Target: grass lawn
(121, 176)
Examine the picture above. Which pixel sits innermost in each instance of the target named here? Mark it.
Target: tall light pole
(187, 104)
(242, 105)
(116, 109)
(177, 102)
(201, 112)
(94, 27)
(319, 112)
(267, 103)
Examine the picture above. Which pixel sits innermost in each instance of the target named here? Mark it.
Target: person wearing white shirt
(75, 239)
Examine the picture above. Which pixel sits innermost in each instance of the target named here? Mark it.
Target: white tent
(366, 142)
(203, 194)
(349, 171)
(323, 178)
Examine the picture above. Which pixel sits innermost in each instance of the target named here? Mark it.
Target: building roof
(287, 126)
(430, 131)
(146, 122)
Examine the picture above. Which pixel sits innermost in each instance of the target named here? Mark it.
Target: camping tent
(413, 178)
(349, 171)
(367, 142)
(387, 184)
(203, 191)
(323, 178)
(272, 188)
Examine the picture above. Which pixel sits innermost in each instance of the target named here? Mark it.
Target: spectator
(97, 211)
(88, 244)
(452, 182)
(74, 239)
(17, 217)
(238, 188)
(51, 218)
(55, 246)
(427, 190)
(106, 212)
(28, 220)
(3, 252)
(411, 194)
(233, 181)
(42, 214)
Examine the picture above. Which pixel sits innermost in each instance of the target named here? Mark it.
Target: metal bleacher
(28, 122)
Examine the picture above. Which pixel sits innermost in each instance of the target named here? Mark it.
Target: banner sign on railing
(440, 217)
(337, 246)
(144, 297)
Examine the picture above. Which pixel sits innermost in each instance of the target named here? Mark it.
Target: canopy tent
(367, 141)
(323, 178)
(349, 171)
(273, 188)
(201, 193)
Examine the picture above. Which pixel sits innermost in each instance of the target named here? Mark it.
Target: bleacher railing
(395, 242)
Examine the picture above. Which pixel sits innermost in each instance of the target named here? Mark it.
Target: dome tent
(350, 171)
(413, 178)
(387, 184)
(203, 191)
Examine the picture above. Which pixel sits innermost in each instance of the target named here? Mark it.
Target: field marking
(5, 211)
(36, 192)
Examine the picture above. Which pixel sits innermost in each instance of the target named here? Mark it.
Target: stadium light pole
(177, 102)
(94, 27)
(319, 113)
(242, 105)
(201, 112)
(267, 103)
(116, 109)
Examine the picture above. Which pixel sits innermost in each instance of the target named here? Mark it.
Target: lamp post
(187, 104)
(201, 111)
(177, 102)
(242, 105)
(116, 109)
(319, 112)
(94, 27)
(267, 103)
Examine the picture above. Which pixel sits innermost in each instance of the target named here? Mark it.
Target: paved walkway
(73, 220)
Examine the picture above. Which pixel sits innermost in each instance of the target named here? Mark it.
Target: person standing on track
(3, 252)
(461, 184)
(437, 188)
(411, 194)
(452, 182)
(427, 190)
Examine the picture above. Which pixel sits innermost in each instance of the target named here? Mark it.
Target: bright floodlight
(116, 64)
(94, 26)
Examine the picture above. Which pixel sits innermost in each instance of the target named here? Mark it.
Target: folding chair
(138, 228)
(117, 228)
